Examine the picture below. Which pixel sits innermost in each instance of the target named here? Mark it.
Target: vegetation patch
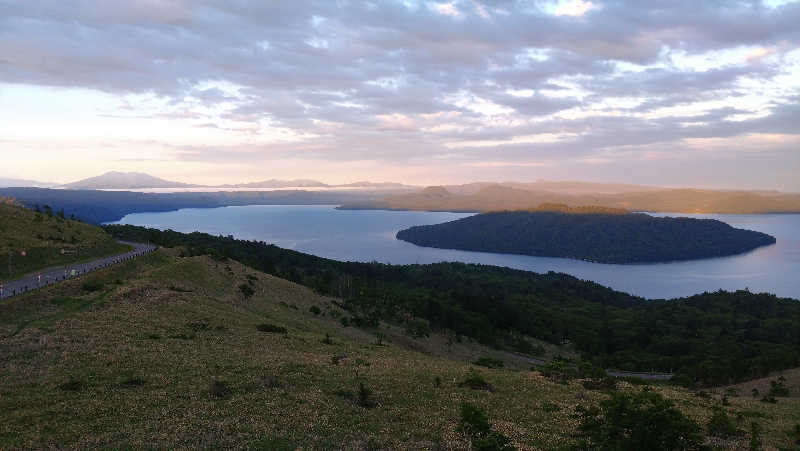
(474, 423)
(476, 382)
(645, 420)
(271, 328)
(489, 362)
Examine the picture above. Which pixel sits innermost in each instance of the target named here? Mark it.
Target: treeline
(97, 207)
(707, 339)
(604, 238)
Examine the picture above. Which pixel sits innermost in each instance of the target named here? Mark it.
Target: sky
(702, 93)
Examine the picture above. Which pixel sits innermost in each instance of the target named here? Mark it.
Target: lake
(369, 235)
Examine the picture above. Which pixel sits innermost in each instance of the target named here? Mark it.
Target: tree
(475, 423)
(641, 421)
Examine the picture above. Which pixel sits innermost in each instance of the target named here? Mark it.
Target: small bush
(327, 340)
(417, 328)
(247, 290)
(778, 388)
(365, 396)
(795, 434)
(489, 362)
(132, 381)
(437, 382)
(315, 310)
(219, 389)
(93, 285)
(769, 399)
(475, 424)
(271, 328)
(548, 406)
(476, 382)
(755, 436)
(273, 444)
(558, 369)
(721, 425)
(604, 384)
(71, 385)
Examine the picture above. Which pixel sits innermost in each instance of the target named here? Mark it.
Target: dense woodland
(605, 238)
(707, 339)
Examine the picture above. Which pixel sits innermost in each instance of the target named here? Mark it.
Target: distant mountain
(376, 185)
(276, 183)
(309, 183)
(590, 233)
(125, 180)
(484, 197)
(19, 183)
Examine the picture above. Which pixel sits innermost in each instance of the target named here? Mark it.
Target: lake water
(369, 235)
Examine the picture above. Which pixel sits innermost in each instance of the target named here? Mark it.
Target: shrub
(489, 362)
(417, 328)
(273, 444)
(769, 399)
(548, 406)
(606, 383)
(644, 420)
(327, 340)
(132, 381)
(721, 425)
(365, 397)
(92, 285)
(315, 310)
(71, 385)
(558, 369)
(778, 388)
(795, 434)
(271, 328)
(476, 382)
(219, 389)
(587, 370)
(755, 436)
(247, 290)
(475, 424)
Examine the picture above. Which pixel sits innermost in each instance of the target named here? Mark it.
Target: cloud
(395, 81)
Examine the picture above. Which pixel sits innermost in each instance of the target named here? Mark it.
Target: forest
(707, 339)
(602, 238)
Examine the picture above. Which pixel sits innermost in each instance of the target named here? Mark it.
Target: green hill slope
(47, 239)
(191, 352)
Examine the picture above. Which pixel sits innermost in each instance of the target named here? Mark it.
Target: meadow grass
(168, 354)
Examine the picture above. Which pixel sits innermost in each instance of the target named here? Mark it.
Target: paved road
(50, 276)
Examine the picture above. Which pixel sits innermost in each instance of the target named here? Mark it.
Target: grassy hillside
(43, 236)
(168, 353)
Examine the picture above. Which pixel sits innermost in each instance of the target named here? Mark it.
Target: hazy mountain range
(12, 182)
(494, 197)
(138, 180)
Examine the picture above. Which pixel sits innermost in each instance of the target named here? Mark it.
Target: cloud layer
(456, 90)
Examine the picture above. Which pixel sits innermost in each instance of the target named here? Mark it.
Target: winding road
(55, 274)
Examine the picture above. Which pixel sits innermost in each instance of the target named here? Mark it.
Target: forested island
(597, 235)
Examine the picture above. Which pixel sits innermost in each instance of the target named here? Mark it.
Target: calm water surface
(369, 235)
